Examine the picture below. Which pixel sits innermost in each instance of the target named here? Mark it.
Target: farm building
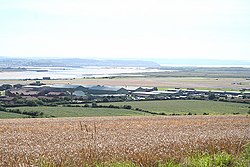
(145, 94)
(155, 94)
(108, 97)
(24, 92)
(167, 93)
(101, 89)
(6, 99)
(130, 89)
(56, 94)
(79, 93)
(246, 94)
(66, 87)
(233, 93)
(35, 87)
(146, 89)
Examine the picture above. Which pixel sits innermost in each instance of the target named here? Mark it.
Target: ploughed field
(144, 141)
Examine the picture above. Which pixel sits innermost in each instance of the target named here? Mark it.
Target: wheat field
(144, 141)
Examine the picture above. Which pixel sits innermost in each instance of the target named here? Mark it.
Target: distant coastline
(194, 65)
(202, 62)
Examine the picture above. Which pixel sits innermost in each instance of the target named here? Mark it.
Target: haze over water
(66, 72)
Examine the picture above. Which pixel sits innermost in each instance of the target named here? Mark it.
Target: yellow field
(141, 140)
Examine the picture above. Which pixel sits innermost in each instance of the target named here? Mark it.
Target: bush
(127, 107)
(211, 96)
(94, 105)
(105, 100)
(111, 106)
(20, 101)
(31, 103)
(15, 111)
(40, 102)
(2, 108)
(33, 113)
(86, 105)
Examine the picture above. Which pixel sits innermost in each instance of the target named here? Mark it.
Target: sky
(126, 29)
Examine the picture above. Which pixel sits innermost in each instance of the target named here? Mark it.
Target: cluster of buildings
(38, 90)
(178, 93)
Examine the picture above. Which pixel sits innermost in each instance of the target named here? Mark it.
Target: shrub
(211, 96)
(86, 105)
(111, 106)
(2, 108)
(40, 102)
(31, 103)
(127, 107)
(94, 105)
(105, 100)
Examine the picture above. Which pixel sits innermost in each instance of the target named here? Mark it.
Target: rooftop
(147, 93)
(102, 87)
(65, 86)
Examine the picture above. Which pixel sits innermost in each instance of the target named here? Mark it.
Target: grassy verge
(219, 159)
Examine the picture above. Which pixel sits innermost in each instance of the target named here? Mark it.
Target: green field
(168, 107)
(185, 106)
(4, 115)
(79, 111)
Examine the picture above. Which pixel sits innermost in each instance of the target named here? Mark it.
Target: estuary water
(68, 72)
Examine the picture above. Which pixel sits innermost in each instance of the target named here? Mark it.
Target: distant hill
(73, 62)
(201, 62)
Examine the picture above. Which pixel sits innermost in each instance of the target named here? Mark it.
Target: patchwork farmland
(146, 108)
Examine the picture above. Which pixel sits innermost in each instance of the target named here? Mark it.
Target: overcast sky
(209, 29)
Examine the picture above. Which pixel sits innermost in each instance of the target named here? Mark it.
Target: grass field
(185, 106)
(4, 115)
(80, 111)
(138, 141)
(198, 107)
